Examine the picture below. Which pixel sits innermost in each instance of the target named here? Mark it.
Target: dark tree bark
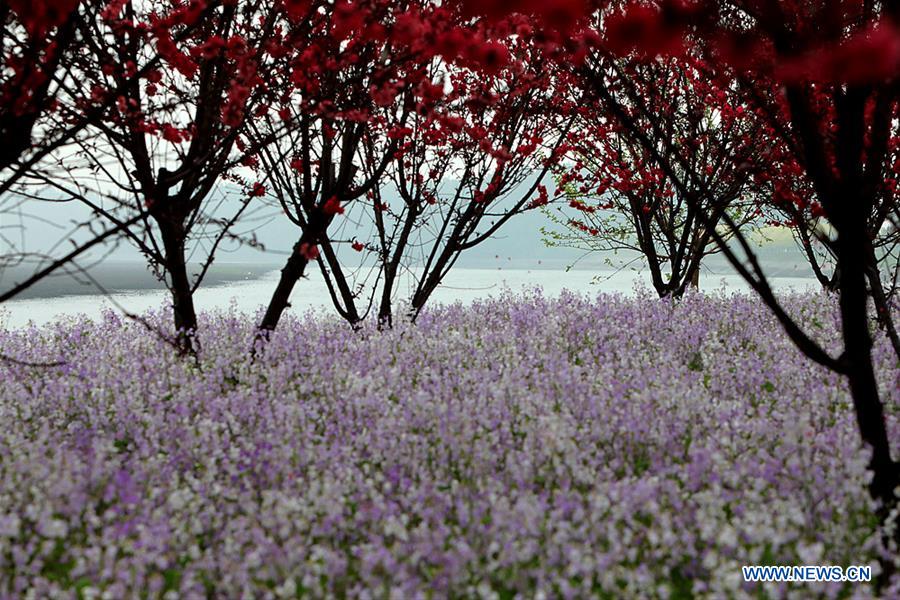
(342, 295)
(294, 269)
(392, 266)
(180, 288)
(857, 360)
(694, 278)
(883, 315)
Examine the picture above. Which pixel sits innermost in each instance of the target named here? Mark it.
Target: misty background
(43, 228)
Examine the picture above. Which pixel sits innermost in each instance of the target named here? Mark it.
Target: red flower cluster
(308, 251)
(333, 207)
(40, 16)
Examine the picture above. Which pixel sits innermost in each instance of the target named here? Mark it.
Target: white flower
(9, 525)
(179, 498)
(53, 528)
(810, 554)
(727, 536)
(287, 590)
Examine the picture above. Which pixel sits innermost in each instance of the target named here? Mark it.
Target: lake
(247, 288)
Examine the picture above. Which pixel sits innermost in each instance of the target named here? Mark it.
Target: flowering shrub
(568, 447)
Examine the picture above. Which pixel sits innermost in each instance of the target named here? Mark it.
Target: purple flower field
(519, 447)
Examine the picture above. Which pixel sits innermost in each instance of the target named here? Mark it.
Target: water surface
(249, 287)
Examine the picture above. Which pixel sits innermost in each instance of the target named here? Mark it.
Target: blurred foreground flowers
(569, 447)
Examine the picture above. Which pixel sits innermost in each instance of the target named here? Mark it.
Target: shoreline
(464, 285)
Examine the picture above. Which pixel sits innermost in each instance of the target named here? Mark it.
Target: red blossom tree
(59, 85)
(468, 167)
(172, 135)
(620, 198)
(35, 38)
(456, 120)
(794, 204)
(349, 102)
(793, 199)
(836, 65)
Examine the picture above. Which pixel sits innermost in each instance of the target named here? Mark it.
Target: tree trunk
(882, 307)
(179, 283)
(291, 273)
(334, 277)
(385, 312)
(431, 282)
(860, 373)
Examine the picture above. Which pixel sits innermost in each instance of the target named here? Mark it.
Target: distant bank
(119, 277)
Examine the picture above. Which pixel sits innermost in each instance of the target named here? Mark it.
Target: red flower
(450, 43)
(309, 251)
(491, 56)
(172, 134)
(170, 53)
(386, 94)
(333, 207)
(40, 16)
(644, 30)
(543, 198)
(555, 14)
(397, 133)
(358, 246)
(209, 49)
(867, 56)
(453, 124)
(409, 28)
(347, 18)
(296, 9)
